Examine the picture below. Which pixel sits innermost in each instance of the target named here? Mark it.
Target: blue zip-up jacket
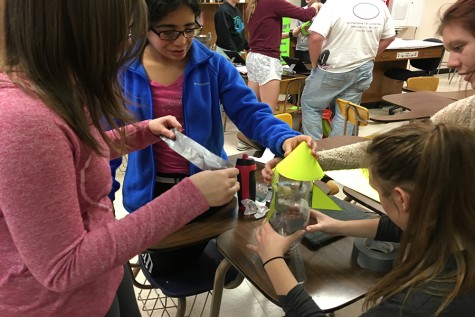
(209, 81)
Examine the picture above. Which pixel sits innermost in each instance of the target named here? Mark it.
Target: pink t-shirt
(167, 100)
(61, 249)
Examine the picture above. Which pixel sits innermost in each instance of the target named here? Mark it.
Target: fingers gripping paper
(300, 165)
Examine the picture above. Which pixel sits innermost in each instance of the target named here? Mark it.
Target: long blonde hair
(69, 53)
(435, 164)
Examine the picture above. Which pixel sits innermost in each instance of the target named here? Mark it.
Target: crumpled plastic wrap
(258, 209)
(194, 152)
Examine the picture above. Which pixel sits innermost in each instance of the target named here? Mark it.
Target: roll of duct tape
(374, 255)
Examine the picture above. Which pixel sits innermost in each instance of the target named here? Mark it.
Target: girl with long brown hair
(424, 176)
(62, 251)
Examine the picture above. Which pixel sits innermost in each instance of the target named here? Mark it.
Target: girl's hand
(296, 31)
(271, 244)
(288, 146)
(292, 143)
(162, 126)
(323, 223)
(267, 170)
(316, 5)
(218, 186)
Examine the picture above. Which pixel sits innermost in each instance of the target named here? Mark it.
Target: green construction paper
(304, 28)
(285, 43)
(300, 165)
(320, 200)
(275, 179)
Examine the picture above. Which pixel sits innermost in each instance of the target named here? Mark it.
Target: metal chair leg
(181, 307)
(218, 286)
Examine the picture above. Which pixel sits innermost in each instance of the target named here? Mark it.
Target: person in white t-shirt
(301, 47)
(353, 31)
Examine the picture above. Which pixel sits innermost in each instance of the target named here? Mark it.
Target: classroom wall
(429, 22)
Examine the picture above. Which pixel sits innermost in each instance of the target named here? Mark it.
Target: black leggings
(124, 303)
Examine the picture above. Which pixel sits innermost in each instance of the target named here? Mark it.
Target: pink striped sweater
(61, 250)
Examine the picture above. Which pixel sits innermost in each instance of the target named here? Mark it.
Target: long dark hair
(158, 9)
(435, 165)
(69, 53)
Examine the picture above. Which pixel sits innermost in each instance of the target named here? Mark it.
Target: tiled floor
(246, 300)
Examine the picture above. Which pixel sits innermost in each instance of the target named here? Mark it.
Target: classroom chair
(289, 100)
(424, 66)
(192, 280)
(286, 117)
(423, 83)
(354, 114)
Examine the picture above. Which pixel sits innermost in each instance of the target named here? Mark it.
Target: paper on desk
(356, 179)
(320, 200)
(400, 44)
(265, 157)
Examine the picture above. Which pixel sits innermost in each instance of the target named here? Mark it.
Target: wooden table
(222, 219)
(456, 95)
(421, 105)
(225, 218)
(333, 279)
(369, 203)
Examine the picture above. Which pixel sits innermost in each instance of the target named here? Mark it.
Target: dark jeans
(124, 303)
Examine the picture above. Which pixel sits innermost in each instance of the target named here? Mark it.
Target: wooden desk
(388, 59)
(333, 279)
(456, 95)
(222, 219)
(421, 105)
(363, 200)
(225, 218)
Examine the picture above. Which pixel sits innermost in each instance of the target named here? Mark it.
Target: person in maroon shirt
(264, 69)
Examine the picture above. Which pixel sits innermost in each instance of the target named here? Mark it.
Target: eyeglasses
(173, 35)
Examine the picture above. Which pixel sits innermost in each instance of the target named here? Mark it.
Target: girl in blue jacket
(179, 76)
